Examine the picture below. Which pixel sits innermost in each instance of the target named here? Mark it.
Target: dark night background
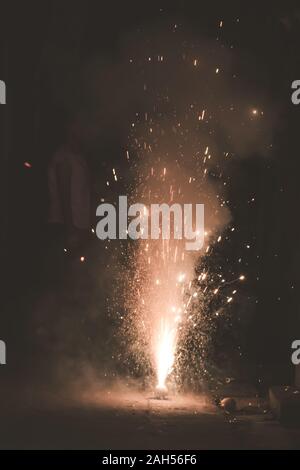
(39, 92)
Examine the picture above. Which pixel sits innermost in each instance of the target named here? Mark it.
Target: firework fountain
(162, 287)
(177, 153)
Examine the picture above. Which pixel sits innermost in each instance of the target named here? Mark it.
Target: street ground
(120, 417)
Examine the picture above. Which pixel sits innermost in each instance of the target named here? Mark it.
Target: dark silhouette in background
(70, 192)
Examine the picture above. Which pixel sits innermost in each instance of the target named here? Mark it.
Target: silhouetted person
(69, 218)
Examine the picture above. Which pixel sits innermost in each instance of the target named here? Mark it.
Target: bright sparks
(165, 352)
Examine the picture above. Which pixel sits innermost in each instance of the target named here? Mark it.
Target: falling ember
(201, 117)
